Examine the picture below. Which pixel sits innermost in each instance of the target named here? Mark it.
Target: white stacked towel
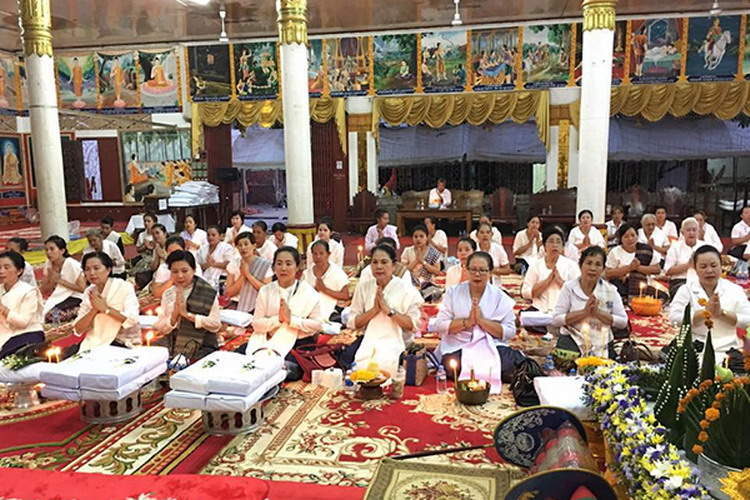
(194, 193)
(104, 373)
(236, 318)
(26, 375)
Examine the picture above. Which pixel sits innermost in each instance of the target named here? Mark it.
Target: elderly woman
(109, 311)
(98, 244)
(215, 257)
(679, 262)
(63, 281)
(189, 318)
(497, 236)
(20, 307)
(527, 245)
(588, 309)
(325, 231)
(329, 280)
(246, 276)
(287, 311)
(630, 264)
(475, 322)
(282, 238)
(547, 275)
(652, 236)
(388, 309)
(583, 236)
(458, 273)
(195, 238)
(706, 232)
(422, 260)
(725, 301)
(497, 252)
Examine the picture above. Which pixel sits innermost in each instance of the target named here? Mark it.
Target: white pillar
(359, 121)
(560, 99)
(352, 155)
(598, 36)
(553, 153)
(36, 25)
(292, 23)
(372, 164)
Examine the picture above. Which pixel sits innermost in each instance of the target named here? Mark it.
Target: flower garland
(652, 467)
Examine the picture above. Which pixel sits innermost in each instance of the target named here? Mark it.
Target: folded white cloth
(182, 399)
(147, 321)
(331, 328)
(245, 380)
(56, 392)
(26, 375)
(535, 318)
(236, 318)
(225, 402)
(563, 392)
(66, 373)
(123, 368)
(195, 377)
(124, 390)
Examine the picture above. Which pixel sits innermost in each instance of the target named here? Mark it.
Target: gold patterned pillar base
(305, 235)
(360, 124)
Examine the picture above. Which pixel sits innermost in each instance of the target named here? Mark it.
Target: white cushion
(182, 399)
(236, 318)
(535, 318)
(563, 392)
(124, 390)
(225, 402)
(26, 375)
(195, 377)
(123, 368)
(55, 392)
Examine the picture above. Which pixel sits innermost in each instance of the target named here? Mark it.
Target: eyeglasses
(474, 270)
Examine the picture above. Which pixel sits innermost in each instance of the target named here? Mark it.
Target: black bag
(522, 385)
(630, 350)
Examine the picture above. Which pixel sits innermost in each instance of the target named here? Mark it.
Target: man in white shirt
(440, 197)
(667, 226)
(263, 244)
(679, 262)
(706, 232)
(741, 235)
(281, 238)
(108, 234)
(381, 229)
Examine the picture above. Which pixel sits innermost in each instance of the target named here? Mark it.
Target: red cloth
(28, 484)
(582, 493)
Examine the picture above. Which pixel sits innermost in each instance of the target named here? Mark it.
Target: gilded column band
(563, 156)
(292, 21)
(599, 15)
(36, 23)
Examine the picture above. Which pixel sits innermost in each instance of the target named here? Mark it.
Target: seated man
(109, 234)
(381, 229)
(163, 277)
(440, 197)
(741, 235)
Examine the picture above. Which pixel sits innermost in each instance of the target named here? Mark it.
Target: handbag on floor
(522, 385)
(315, 357)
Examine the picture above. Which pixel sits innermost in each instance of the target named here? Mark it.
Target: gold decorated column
(36, 33)
(596, 76)
(292, 21)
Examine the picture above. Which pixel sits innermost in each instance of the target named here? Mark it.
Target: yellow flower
(697, 449)
(703, 436)
(705, 424)
(712, 414)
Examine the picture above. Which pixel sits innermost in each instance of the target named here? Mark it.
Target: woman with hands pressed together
(528, 244)
(475, 322)
(584, 235)
(328, 279)
(588, 309)
(422, 259)
(63, 280)
(458, 273)
(20, 307)
(495, 250)
(630, 263)
(388, 309)
(248, 274)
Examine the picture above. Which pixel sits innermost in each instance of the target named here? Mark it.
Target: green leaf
(708, 368)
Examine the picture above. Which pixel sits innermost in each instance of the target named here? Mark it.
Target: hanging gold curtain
(454, 109)
(266, 113)
(724, 100)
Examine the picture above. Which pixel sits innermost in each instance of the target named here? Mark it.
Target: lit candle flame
(149, 337)
(158, 310)
(49, 353)
(642, 285)
(452, 363)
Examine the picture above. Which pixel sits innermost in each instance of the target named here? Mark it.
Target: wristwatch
(391, 312)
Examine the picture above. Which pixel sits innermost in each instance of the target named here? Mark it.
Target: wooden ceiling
(87, 23)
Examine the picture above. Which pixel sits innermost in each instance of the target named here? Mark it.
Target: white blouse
(28, 275)
(576, 237)
(199, 237)
(711, 237)
(498, 254)
(163, 324)
(594, 339)
(114, 253)
(222, 253)
(619, 257)
(670, 229)
(267, 251)
(612, 230)
(681, 253)
(70, 272)
(453, 275)
(119, 295)
(230, 234)
(384, 340)
(24, 303)
(521, 240)
(538, 271)
(336, 249)
(289, 240)
(731, 298)
(660, 239)
(440, 238)
(306, 320)
(334, 279)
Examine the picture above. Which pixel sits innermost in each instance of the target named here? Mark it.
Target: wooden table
(403, 215)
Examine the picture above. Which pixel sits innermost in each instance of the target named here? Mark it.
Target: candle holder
(467, 394)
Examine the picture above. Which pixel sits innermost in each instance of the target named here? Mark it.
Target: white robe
(306, 320)
(384, 340)
(576, 237)
(70, 272)
(120, 296)
(334, 279)
(538, 271)
(336, 257)
(24, 303)
(222, 253)
(199, 237)
(478, 348)
(230, 234)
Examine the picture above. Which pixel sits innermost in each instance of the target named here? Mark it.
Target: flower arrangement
(650, 464)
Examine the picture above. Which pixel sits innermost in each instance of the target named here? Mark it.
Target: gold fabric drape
(266, 113)
(454, 109)
(724, 100)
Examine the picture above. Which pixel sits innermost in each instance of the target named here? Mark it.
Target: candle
(642, 286)
(453, 365)
(586, 334)
(50, 353)
(359, 253)
(149, 337)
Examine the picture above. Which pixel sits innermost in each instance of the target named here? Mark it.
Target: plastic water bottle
(349, 385)
(549, 364)
(441, 380)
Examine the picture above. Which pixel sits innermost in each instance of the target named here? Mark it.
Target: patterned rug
(315, 435)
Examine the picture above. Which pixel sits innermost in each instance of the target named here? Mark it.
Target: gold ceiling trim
(36, 20)
(267, 113)
(599, 15)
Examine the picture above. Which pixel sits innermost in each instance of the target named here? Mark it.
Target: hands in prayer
(634, 265)
(380, 302)
(98, 302)
(592, 305)
(285, 315)
(714, 306)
